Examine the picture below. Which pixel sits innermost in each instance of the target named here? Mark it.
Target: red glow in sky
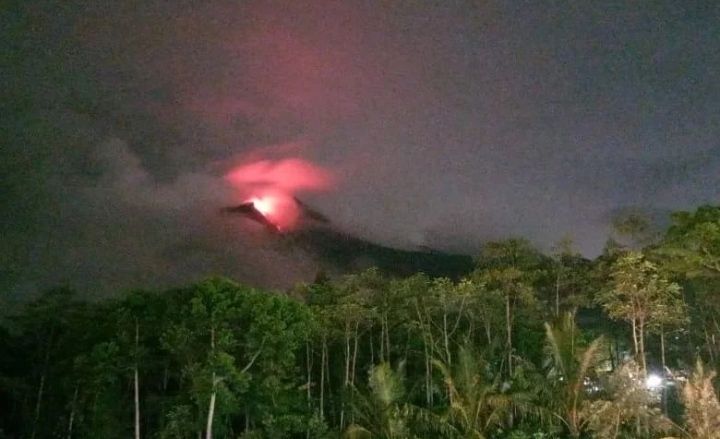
(271, 186)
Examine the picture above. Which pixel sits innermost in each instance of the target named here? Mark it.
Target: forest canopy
(526, 345)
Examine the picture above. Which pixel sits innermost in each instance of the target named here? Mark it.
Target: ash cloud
(123, 229)
(450, 123)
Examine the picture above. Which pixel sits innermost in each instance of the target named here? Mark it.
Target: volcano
(251, 211)
(264, 211)
(341, 251)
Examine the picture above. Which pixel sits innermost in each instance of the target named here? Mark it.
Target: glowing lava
(272, 186)
(264, 205)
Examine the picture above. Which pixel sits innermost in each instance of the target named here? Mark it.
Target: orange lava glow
(264, 205)
(272, 186)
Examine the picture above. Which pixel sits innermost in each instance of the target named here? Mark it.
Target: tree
(570, 363)
(512, 286)
(44, 327)
(278, 328)
(479, 401)
(669, 314)
(97, 394)
(344, 308)
(421, 324)
(634, 228)
(353, 311)
(627, 409)
(702, 408)
(320, 297)
(509, 269)
(205, 342)
(691, 251)
(380, 410)
(571, 273)
(137, 322)
(638, 294)
(485, 312)
(691, 245)
(221, 359)
(440, 307)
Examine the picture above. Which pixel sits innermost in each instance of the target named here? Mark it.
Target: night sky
(443, 124)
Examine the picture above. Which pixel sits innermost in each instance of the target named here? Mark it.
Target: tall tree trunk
(488, 330)
(662, 349)
(636, 347)
(508, 328)
(71, 419)
(431, 352)
(427, 355)
(41, 386)
(347, 356)
(137, 403)
(427, 373)
(710, 348)
(38, 403)
(352, 370)
(328, 381)
(382, 338)
(137, 381)
(572, 337)
(446, 338)
(664, 369)
(323, 357)
(387, 338)
(165, 378)
(354, 355)
(641, 337)
(346, 379)
(557, 294)
(308, 366)
(372, 347)
(211, 412)
(213, 395)
(308, 384)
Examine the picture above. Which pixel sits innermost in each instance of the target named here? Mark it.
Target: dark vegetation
(526, 345)
(349, 253)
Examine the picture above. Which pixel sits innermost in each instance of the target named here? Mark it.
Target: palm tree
(479, 401)
(379, 411)
(382, 413)
(569, 367)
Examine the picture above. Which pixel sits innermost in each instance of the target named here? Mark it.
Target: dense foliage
(527, 345)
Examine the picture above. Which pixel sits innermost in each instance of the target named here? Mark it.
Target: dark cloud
(450, 122)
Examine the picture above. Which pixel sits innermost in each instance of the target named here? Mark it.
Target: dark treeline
(527, 345)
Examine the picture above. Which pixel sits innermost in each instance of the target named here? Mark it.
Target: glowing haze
(452, 123)
(272, 185)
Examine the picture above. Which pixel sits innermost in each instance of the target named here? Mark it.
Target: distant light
(653, 381)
